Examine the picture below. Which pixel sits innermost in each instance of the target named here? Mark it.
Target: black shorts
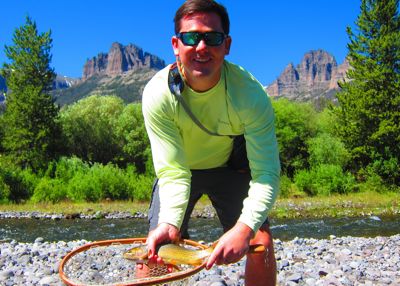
(226, 189)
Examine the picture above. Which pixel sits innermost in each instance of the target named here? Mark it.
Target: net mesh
(105, 265)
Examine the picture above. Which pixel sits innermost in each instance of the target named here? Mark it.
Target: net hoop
(137, 282)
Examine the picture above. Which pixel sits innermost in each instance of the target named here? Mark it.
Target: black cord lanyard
(176, 86)
(238, 158)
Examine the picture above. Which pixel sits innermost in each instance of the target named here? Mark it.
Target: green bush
(295, 124)
(4, 192)
(88, 126)
(132, 136)
(72, 179)
(112, 181)
(67, 168)
(49, 190)
(387, 167)
(140, 187)
(326, 149)
(18, 184)
(324, 180)
(84, 187)
(288, 189)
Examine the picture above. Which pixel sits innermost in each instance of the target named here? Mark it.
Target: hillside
(128, 86)
(123, 72)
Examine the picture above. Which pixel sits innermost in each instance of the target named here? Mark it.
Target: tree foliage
(103, 129)
(88, 127)
(369, 102)
(295, 125)
(30, 119)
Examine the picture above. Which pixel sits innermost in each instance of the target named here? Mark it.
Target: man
(189, 162)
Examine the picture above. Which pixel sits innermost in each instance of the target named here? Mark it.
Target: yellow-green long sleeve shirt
(237, 105)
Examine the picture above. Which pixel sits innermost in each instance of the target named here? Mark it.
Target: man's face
(202, 63)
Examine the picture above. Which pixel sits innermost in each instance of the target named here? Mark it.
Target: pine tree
(30, 119)
(369, 102)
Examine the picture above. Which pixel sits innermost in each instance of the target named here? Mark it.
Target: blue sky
(266, 34)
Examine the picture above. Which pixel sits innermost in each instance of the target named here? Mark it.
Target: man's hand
(232, 246)
(164, 232)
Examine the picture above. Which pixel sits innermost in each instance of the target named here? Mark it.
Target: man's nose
(201, 45)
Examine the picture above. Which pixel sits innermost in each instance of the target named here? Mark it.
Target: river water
(27, 230)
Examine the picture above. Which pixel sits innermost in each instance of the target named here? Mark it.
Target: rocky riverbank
(206, 212)
(334, 261)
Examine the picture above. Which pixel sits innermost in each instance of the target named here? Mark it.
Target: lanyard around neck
(176, 86)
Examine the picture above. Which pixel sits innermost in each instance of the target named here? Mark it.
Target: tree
(103, 129)
(89, 128)
(295, 124)
(133, 137)
(369, 102)
(31, 128)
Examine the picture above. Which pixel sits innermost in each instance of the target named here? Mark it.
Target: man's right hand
(164, 232)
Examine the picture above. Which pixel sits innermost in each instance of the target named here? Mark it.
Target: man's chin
(201, 73)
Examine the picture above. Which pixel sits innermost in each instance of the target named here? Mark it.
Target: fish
(170, 253)
(175, 254)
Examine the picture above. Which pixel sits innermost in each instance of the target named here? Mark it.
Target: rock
(48, 281)
(39, 240)
(120, 59)
(6, 274)
(295, 277)
(316, 75)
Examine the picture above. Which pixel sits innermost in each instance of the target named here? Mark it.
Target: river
(27, 230)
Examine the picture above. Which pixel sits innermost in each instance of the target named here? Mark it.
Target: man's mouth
(202, 60)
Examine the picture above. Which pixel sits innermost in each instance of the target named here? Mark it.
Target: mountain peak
(316, 75)
(120, 59)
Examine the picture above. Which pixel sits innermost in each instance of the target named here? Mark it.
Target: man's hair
(207, 6)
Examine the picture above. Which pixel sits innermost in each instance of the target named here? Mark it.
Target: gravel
(301, 261)
(337, 261)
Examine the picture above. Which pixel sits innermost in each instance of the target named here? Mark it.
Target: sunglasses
(194, 38)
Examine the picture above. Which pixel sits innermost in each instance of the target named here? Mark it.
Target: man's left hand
(232, 246)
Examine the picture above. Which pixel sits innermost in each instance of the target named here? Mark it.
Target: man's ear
(228, 42)
(175, 45)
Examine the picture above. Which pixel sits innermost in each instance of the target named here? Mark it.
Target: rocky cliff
(121, 59)
(123, 71)
(316, 76)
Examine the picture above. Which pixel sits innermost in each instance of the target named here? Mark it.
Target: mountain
(315, 77)
(3, 90)
(123, 71)
(63, 82)
(3, 86)
(121, 59)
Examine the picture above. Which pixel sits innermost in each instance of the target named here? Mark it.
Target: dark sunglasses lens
(193, 38)
(214, 38)
(190, 38)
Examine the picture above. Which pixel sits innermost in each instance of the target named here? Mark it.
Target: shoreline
(204, 212)
(367, 203)
(333, 261)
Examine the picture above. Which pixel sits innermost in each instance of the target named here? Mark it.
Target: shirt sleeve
(167, 151)
(263, 155)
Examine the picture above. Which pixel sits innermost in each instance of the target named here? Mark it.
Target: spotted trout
(171, 254)
(175, 254)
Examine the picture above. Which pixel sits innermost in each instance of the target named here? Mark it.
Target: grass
(357, 204)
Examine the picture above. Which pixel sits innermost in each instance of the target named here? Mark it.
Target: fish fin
(214, 244)
(256, 248)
